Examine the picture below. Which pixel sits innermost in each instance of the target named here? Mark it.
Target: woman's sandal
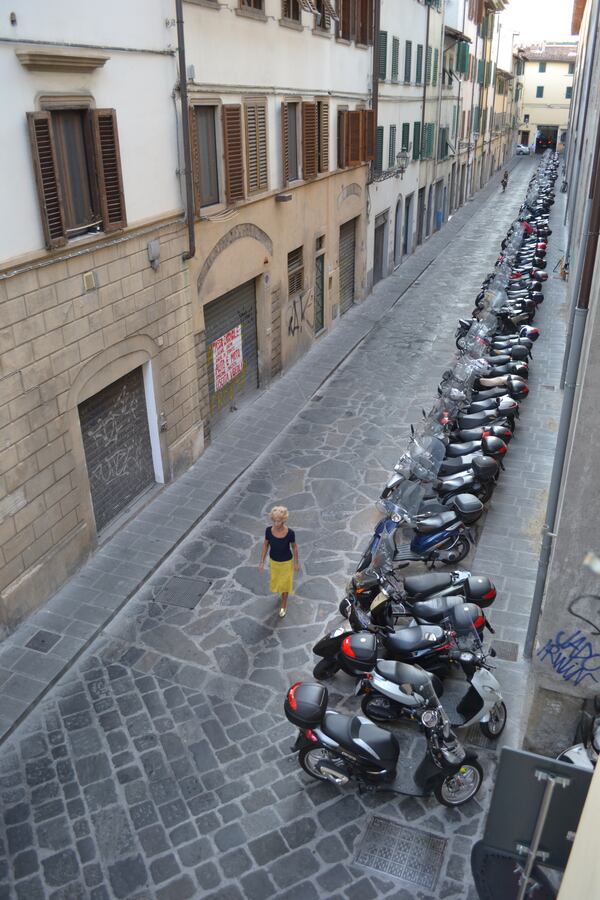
(282, 611)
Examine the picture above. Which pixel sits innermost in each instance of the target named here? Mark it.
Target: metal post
(537, 837)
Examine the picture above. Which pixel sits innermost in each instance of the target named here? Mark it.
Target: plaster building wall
(89, 321)
(555, 83)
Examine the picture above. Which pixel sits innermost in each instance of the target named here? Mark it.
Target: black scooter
(337, 748)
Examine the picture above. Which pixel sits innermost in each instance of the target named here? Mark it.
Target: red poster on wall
(227, 357)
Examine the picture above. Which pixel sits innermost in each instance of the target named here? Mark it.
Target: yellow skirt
(281, 576)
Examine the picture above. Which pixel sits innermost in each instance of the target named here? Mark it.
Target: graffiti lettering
(109, 427)
(594, 600)
(572, 657)
(123, 461)
(300, 306)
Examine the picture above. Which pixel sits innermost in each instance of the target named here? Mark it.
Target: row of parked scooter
(437, 490)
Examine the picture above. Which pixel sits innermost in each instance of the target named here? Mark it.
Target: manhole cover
(402, 852)
(43, 641)
(508, 650)
(475, 737)
(185, 592)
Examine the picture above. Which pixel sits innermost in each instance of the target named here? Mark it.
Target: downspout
(424, 86)
(375, 75)
(579, 321)
(185, 129)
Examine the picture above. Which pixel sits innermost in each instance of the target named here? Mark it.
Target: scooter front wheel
(325, 668)
(460, 787)
(494, 727)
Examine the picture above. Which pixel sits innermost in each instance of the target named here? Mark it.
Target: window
(569, 92)
(395, 58)
(295, 266)
(78, 170)
(416, 140)
(356, 137)
(436, 55)
(419, 72)
(364, 22)
(539, 91)
(542, 67)
(256, 146)
(203, 134)
(378, 163)
(253, 4)
(392, 148)
(344, 26)
(310, 137)
(571, 68)
(290, 9)
(305, 128)
(324, 15)
(428, 66)
(405, 136)
(382, 55)
(526, 119)
(323, 135)
(407, 61)
(289, 133)
(233, 152)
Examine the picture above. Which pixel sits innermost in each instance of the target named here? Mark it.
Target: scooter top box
(468, 507)
(305, 704)
(358, 653)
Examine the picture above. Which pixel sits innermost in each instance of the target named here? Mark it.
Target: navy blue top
(279, 548)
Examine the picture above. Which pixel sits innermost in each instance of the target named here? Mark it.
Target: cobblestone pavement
(159, 766)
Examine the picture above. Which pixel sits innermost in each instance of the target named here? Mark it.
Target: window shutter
(392, 148)
(436, 56)
(408, 62)
(195, 153)
(233, 152)
(368, 117)
(370, 19)
(285, 144)
(405, 136)
(46, 176)
(308, 6)
(382, 55)
(416, 140)
(353, 154)
(108, 164)
(378, 164)
(345, 27)
(395, 58)
(256, 147)
(419, 72)
(342, 138)
(428, 66)
(309, 141)
(323, 113)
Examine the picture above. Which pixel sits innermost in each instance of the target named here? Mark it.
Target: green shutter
(382, 55)
(480, 71)
(488, 74)
(395, 58)
(405, 136)
(419, 73)
(416, 140)
(428, 66)
(378, 165)
(408, 62)
(462, 58)
(392, 148)
(436, 59)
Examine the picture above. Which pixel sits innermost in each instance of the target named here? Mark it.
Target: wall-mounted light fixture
(402, 162)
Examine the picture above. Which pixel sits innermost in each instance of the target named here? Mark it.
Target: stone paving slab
(88, 601)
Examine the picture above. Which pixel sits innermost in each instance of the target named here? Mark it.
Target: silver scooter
(586, 753)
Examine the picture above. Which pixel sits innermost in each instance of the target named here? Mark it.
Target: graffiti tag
(300, 305)
(572, 657)
(577, 615)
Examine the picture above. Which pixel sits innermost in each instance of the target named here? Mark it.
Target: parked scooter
(337, 748)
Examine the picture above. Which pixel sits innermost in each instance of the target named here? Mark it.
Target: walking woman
(280, 542)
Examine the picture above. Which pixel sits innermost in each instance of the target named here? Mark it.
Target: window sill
(210, 4)
(344, 41)
(318, 32)
(291, 23)
(256, 14)
(362, 46)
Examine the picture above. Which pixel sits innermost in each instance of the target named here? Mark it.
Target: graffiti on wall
(571, 655)
(119, 452)
(587, 611)
(300, 313)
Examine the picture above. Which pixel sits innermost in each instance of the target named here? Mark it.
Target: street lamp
(402, 162)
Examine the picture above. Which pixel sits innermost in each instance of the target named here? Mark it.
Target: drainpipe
(185, 128)
(375, 85)
(579, 322)
(424, 85)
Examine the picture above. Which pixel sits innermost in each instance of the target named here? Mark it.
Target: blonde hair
(279, 512)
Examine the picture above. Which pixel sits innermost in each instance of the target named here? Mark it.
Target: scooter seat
(462, 449)
(426, 584)
(454, 466)
(455, 482)
(435, 608)
(362, 737)
(435, 523)
(407, 640)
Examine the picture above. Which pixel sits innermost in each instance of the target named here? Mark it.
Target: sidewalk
(47, 644)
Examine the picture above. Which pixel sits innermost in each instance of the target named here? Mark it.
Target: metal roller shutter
(347, 263)
(116, 441)
(239, 380)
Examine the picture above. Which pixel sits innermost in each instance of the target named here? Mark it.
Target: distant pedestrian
(280, 543)
(504, 181)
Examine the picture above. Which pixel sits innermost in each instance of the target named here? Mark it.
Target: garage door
(347, 263)
(232, 350)
(118, 455)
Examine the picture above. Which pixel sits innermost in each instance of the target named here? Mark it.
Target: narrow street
(159, 765)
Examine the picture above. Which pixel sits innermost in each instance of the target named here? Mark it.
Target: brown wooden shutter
(323, 136)
(256, 147)
(285, 144)
(368, 117)
(353, 155)
(342, 138)
(195, 153)
(47, 180)
(329, 13)
(309, 141)
(370, 18)
(108, 165)
(308, 6)
(233, 152)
